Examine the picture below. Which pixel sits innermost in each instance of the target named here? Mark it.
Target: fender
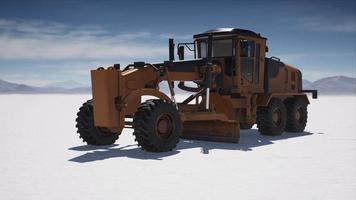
(133, 99)
(264, 99)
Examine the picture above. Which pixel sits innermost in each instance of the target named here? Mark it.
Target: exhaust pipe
(209, 63)
(171, 49)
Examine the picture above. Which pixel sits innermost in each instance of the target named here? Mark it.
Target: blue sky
(48, 41)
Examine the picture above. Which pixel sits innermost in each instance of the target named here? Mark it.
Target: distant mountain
(332, 85)
(79, 90)
(15, 88)
(66, 84)
(307, 84)
(7, 87)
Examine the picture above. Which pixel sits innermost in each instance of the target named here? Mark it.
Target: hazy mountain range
(67, 87)
(70, 84)
(332, 85)
(329, 85)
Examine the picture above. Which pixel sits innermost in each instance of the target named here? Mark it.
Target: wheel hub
(299, 115)
(164, 126)
(276, 117)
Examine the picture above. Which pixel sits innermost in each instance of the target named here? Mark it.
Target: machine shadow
(249, 139)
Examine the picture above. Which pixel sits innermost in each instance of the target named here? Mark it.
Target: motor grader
(234, 87)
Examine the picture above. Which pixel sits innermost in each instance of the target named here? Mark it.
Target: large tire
(88, 132)
(271, 120)
(297, 115)
(157, 126)
(245, 126)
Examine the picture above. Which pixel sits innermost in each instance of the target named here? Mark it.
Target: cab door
(248, 60)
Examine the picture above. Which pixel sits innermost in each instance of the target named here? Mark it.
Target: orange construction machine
(236, 86)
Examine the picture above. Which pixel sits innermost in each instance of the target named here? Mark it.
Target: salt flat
(41, 157)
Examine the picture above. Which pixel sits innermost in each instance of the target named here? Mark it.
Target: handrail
(145, 64)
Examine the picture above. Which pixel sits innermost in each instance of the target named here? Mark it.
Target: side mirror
(181, 52)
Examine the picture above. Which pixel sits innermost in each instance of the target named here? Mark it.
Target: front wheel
(157, 126)
(91, 134)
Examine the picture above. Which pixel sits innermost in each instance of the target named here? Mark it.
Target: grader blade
(219, 131)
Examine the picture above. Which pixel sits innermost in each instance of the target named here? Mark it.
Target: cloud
(178, 37)
(293, 57)
(328, 24)
(52, 41)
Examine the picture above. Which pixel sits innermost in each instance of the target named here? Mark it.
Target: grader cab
(236, 86)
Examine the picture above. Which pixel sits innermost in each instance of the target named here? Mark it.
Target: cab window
(221, 48)
(247, 49)
(203, 50)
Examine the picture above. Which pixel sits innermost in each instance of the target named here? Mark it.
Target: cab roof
(229, 31)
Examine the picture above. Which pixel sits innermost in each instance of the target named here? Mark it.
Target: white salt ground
(41, 157)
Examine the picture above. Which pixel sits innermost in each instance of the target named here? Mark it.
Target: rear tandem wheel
(297, 115)
(271, 120)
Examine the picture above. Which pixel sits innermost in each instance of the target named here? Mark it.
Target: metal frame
(186, 44)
